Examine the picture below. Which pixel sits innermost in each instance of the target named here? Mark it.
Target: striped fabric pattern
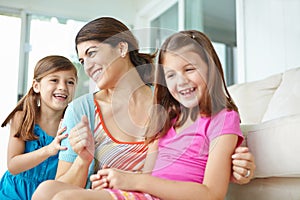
(129, 156)
(126, 195)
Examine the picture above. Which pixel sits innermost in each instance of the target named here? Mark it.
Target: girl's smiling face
(57, 89)
(185, 75)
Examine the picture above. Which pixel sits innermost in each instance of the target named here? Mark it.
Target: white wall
(268, 37)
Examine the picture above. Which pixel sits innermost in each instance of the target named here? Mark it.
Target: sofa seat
(270, 122)
(272, 188)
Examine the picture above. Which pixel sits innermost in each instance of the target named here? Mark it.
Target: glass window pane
(193, 12)
(164, 25)
(221, 52)
(9, 52)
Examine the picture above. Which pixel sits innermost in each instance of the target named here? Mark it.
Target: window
(9, 51)
(164, 25)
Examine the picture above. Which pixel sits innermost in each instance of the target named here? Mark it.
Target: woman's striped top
(129, 156)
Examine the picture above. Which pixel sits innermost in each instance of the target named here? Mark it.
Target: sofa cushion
(253, 98)
(286, 99)
(265, 189)
(275, 146)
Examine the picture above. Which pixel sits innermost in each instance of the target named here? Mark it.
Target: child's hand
(98, 182)
(115, 179)
(55, 146)
(82, 140)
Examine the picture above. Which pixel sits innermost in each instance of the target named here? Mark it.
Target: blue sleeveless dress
(22, 185)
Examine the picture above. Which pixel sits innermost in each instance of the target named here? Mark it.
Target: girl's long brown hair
(28, 105)
(111, 31)
(215, 98)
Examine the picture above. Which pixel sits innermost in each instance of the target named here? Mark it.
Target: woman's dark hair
(111, 31)
(215, 98)
(28, 105)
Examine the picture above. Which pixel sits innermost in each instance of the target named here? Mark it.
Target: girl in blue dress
(34, 136)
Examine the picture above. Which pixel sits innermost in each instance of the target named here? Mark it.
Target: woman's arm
(82, 143)
(73, 173)
(151, 157)
(215, 184)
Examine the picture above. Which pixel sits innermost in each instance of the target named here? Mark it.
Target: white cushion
(253, 98)
(275, 146)
(286, 99)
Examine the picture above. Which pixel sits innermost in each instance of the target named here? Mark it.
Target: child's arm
(17, 160)
(215, 184)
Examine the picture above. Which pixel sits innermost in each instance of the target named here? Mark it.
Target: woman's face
(185, 75)
(101, 63)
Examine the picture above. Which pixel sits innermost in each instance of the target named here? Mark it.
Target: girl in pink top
(192, 134)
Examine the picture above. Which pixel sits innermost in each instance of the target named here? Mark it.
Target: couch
(270, 121)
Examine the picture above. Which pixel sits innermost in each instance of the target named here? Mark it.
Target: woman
(112, 134)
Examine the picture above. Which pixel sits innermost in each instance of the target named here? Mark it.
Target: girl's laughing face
(185, 75)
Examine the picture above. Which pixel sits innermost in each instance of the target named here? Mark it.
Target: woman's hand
(243, 166)
(82, 140)
(55, 146)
